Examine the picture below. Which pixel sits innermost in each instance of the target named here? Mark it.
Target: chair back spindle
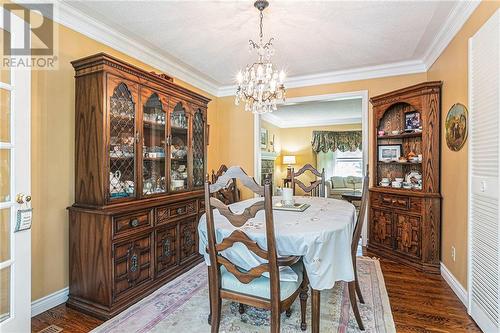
(361, 217)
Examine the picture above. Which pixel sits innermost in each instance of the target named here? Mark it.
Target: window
(348, 163)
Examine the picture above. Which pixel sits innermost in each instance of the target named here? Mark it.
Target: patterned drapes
(343, 141)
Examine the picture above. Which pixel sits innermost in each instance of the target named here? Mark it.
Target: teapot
(115, 184)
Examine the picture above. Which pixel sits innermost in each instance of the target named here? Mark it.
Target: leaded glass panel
(198, 149)
(122, 144)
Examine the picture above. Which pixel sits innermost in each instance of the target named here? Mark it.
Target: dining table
(321, 235)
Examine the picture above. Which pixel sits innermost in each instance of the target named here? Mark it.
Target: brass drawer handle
(134, 223)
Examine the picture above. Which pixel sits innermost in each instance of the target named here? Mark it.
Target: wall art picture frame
(263, 138)
(412, 121)
(456, 126)
(387, 153)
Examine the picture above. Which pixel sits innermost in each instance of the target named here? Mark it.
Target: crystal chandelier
(260, 85)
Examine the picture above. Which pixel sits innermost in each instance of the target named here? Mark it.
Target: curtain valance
(343, 141)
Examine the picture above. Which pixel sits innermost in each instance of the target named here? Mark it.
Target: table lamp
(289, 160)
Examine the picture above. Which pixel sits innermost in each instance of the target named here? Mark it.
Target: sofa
(337, 185)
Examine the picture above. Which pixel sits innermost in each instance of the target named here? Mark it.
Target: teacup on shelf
(396, 184)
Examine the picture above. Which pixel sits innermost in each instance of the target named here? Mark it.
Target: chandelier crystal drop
(260, 85)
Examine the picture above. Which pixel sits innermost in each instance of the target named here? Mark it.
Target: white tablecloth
(321, 234)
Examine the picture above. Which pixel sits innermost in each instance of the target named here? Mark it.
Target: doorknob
(22, 198)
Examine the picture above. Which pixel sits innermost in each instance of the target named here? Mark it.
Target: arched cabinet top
(122, 92)
(154, 101)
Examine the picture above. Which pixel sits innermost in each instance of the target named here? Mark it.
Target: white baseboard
(457, 288)
(48, 302)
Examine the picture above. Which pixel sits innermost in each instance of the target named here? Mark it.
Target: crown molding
(454, 22)
(90, 27)
(93, 28)
(361, 73)
(278, 122)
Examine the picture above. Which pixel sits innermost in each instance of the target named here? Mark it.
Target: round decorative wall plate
(456, 127)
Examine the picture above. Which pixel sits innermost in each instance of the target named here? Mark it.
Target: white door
(484, 151)
(15, 247)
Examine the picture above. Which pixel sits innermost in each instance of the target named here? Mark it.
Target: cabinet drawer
(125, 224)
(131, 264)
(175, 211)
(393, 201)
(412, 204)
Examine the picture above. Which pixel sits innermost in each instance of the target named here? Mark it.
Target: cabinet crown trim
(400, 94)
(98, 61)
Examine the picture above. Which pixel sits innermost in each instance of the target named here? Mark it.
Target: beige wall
(451, 68)
(53, 100)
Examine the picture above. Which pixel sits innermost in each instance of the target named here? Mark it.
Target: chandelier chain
(261, 25)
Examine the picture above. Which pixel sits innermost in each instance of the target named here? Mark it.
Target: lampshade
(289, 159)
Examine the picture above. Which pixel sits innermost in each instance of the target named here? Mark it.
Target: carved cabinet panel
(166, 249)
(381, 230)
(408, 234)
(188, 238)
(132, 264)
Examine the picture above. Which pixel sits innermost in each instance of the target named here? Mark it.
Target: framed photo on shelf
(389, 152)
(412, 120)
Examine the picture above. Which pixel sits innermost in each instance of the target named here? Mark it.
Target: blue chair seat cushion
(261, 286)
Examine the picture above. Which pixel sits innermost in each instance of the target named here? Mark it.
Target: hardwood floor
(420, 302)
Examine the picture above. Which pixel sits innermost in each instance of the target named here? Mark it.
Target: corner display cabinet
(140, 164)
(405, 199)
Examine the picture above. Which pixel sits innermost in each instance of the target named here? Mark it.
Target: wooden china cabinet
(140, 155)
(405, 219)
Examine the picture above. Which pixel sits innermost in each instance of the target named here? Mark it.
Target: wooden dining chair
(353, 286)
(316, 188)
(228, 281)
(229, 194)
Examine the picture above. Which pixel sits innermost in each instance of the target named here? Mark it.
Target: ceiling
(206, 41)
(316, 113)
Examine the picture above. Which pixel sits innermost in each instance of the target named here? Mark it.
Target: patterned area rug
(182, 306)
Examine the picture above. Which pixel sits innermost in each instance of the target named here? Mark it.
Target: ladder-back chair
(228, 281)
(230, 194)
(316, 188)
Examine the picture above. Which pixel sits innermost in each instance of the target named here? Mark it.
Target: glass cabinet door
(122, 143)
(198, 148)
(153, 150)
(179, 149)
